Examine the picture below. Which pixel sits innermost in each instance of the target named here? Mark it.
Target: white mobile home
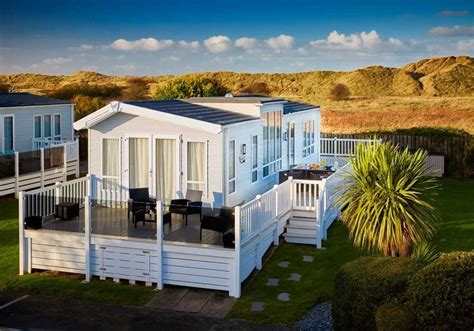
(231, 148)
(227, 151)
(37, 146)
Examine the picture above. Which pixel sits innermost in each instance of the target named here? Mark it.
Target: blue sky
(175, 37)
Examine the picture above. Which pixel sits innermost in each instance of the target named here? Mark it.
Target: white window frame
(119, 176)
(254, 159)
(308, 138)
(272, 152)
(206, 165)
(231, 181)
(3, 131)
(41, 126)
(53, 130)
(291, 143)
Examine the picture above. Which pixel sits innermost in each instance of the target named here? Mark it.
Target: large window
(271, 142)
(57, 127)
(308, 138)
(291, 143)
(196, 164)
(37, 124)
(110, 163)
(139, 162)
(232, 166)
(254, 158)
(8, 136)
(47, 126)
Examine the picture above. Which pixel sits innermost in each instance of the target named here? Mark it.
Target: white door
(291, 143)
(166, 169)
(195, 166)
(139, 162)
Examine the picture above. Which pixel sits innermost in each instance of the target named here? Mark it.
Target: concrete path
(190, 300)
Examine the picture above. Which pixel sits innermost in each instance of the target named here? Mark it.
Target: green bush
(394, 317)
(441, 294)
(366, 283)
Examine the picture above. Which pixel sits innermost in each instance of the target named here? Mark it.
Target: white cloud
(457, 30)
(246, 43)
(57, 60)
(395, 42)
(85, 47)
(144, 44)
(174, 58)
(217, 44)
(355, 41)
(280, 42)
(454, 13)
(189, 45)
(465, 45)
(128, 67)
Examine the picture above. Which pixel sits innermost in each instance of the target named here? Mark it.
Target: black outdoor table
(66, 210)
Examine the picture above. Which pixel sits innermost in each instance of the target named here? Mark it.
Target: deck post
(87, 232)
(276, 237)
(258, 259)
(42, 166)
(64, 162)
(235, 286)
(21, 231)
(57, 192)
(335, 153)
(159, 244)
(17, 173)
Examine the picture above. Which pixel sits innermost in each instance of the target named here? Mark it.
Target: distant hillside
(446, 76)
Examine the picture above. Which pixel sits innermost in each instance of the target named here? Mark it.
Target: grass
(54, 284)
(455, 232)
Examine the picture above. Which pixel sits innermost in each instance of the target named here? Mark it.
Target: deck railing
(338, 151)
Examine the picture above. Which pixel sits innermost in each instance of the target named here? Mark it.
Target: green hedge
(394, 317)
(361, 286)
(441, 295)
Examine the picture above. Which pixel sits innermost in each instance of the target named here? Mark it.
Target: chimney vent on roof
(229, 95)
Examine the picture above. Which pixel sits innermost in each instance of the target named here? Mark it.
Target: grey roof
(27, 99)
(194, 111)
(294, 107)
(246, 98)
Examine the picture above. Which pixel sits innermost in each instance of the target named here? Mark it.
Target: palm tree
(386, 199)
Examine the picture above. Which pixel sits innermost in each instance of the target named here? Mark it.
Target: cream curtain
(196, 162)
(138, 162)
(110, 163)
(165, 169)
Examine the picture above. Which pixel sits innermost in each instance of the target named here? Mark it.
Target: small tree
(256, 88)
(86, 105)
(188, 87)
(5, 88)
(340, 92)
(137, 89)
(386, 199)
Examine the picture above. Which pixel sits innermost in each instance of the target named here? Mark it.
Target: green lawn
(56, 285)
(455, 232)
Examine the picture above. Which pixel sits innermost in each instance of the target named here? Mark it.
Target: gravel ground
(319, 318)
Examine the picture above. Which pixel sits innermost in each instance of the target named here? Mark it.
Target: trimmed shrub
(339, 92)
(394, 317)
(441, 294)
(366, 283)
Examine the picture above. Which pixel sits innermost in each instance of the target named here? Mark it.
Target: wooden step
(301, 229)
(303, 221)
(300, 238)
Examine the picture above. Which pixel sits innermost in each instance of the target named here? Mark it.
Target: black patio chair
(191, 205)
(221, 221)
(139, 199)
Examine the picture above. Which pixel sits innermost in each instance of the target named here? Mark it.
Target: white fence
(336, 151)
(43, 177)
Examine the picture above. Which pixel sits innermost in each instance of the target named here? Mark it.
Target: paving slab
(283, 264)
(193, 301)
(272, 282)
(218, 305)
(257, 306)
(308, 258)
(295, 277)
(284, 296)
(167, 298)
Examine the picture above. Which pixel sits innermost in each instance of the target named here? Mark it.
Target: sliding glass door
(165, 169)
(196, 166)
(139, 162)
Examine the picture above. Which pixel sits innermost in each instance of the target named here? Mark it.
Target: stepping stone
(272, 282)
(283, 264)
(295, 277)
(308, 258)
(257, 306)
(284, 296)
